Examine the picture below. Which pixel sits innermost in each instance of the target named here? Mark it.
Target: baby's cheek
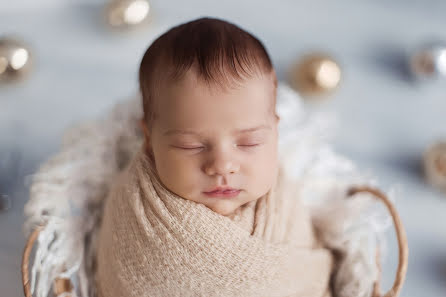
(180, 176)
(265, 170)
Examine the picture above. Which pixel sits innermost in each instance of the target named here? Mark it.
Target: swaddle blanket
(153, 242)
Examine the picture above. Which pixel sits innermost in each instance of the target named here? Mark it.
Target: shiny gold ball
(315, 74)
(435, 165)
(15, 60)
(128, 13)
(429, 62)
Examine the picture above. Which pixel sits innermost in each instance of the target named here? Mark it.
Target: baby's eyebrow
(239, 131)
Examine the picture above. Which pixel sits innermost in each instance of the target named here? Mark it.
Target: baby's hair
(219, 52)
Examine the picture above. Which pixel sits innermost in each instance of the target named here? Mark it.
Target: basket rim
(403, 249)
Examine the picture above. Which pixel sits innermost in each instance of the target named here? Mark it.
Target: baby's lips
(222, 189)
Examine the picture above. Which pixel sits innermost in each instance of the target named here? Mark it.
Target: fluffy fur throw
(68, 192)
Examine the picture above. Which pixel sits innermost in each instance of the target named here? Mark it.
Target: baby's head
(209, 96)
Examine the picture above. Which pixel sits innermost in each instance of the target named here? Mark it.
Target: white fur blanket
(67, 196)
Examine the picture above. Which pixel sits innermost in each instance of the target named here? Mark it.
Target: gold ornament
(127, 13)
(15, 60)
(435, 165)
(429, 61)
(315, 74)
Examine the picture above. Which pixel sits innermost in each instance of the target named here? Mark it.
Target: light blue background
(81, 68)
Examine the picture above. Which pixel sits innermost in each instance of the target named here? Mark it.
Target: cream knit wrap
(155, 243)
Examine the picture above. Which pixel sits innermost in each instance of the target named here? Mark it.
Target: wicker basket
(64, 285)
(126, 118)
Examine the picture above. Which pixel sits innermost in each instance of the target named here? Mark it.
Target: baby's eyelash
(249, 146)
(202, 147)
(190, 148)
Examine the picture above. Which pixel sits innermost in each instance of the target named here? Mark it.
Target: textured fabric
(155, 243)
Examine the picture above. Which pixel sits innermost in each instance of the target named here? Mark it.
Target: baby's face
(206, 137)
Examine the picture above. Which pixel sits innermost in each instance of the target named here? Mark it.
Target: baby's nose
(221, 166)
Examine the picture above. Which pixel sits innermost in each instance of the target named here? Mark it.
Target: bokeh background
(81, 67)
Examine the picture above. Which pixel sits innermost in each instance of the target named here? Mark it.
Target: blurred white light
(19, 58)
(136, 12)
(442, 62)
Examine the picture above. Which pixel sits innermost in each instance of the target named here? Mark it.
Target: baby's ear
(143, 125)
(145, 130)
(146, 134)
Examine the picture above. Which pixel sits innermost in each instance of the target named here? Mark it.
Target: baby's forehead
(193, 102)
(197, 122)
(193, 91)
(255, 129)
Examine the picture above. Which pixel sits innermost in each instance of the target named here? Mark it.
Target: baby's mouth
(223, 193)
(221, 189)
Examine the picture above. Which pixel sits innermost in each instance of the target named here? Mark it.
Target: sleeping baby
(204, 208)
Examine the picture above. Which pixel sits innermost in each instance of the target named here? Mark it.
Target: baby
(209, 94)
(204, 209)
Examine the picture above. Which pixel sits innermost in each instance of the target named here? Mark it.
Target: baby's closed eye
(247, 144)
(188, 147)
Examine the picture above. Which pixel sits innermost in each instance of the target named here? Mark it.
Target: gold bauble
(315, 74)
(127, 13)
(15, 59)
(429, 61)
(435, 165)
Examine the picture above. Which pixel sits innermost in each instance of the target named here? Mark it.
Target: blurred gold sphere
(127, 13)
(15, 60)
(435, 165)
(315, 74)
(429, 61)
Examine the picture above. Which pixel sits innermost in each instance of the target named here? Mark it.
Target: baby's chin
(226, 207)
(224, 210)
